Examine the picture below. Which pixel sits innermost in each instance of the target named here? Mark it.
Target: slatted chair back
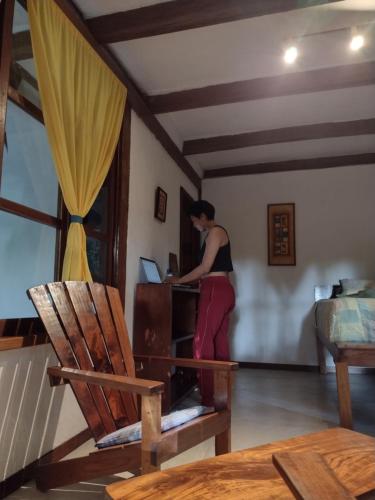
(85, 323)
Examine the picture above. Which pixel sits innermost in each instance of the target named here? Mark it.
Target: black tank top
(223, 259)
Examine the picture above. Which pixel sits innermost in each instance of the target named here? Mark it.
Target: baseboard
(279, 366)
(354, 370)
(15, 481)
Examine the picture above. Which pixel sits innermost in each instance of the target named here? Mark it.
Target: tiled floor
(268, 405)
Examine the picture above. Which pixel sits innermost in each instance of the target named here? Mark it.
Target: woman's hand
(173, 280)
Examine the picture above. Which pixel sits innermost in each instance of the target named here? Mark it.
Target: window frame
(6, 26)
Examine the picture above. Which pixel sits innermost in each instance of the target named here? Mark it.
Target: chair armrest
(120, 382)
(191, 363)
(308, 475)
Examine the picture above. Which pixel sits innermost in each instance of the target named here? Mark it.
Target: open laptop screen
(151, 270)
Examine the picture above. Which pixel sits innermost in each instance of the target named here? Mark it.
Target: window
(33, 218)
(30, 220)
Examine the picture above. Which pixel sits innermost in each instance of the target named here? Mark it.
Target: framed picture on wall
(281, 235)
(160, 204)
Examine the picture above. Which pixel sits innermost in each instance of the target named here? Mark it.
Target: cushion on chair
(134, 432)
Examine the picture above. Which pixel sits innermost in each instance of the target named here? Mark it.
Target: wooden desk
(250, 474)
(164, 325)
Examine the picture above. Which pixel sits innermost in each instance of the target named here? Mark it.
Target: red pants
(211, 337)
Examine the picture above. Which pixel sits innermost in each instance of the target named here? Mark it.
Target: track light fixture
(357, 42)
(291, 54)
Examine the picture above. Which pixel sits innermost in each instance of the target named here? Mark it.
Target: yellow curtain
(83, 105)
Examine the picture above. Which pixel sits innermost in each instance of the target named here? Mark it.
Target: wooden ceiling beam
(134, 95)
(21, 46)
(179, 15)
(317, 80)
(273, 136)
(292, 165)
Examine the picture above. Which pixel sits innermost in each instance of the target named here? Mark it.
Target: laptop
(150, 270)
(152, 274)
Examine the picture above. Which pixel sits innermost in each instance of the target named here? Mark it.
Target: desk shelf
(183, 337)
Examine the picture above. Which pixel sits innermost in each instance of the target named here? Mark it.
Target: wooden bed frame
(344, 354)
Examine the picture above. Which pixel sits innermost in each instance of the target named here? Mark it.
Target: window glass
(97, 218)
(28, 176)
(27, 258)
(97, 258)
(22, 71)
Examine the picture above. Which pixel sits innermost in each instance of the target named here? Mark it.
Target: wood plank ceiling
(212, 72)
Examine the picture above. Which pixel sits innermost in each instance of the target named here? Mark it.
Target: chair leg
(321, 356)
(223, 443)
(151, 432)
(223, 382)
(343, 392)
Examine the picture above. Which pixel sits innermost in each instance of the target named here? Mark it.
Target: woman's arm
(213, 242)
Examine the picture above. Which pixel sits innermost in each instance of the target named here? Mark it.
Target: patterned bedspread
(346, 319)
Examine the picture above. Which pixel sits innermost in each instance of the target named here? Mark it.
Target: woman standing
(217, 298)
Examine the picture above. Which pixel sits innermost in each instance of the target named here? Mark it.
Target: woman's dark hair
(197, 208)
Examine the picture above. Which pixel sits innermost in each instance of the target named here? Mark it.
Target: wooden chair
(85, 323)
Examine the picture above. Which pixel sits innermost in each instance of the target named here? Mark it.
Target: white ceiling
(241, 50)
(249, 49)
(94, 8)
(354, 5)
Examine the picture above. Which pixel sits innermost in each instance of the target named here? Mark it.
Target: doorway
(189, 237)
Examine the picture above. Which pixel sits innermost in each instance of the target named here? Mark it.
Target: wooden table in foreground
(250, 474)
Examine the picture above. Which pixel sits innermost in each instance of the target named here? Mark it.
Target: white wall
(34, 418)
(150, 167)
(335, 239)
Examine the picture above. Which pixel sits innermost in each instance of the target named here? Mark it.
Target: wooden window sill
(7, 343)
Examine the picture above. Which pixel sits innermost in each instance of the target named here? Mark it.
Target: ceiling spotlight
(357, 42)
(290, 55)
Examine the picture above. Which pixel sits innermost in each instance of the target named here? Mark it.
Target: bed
(345, 325)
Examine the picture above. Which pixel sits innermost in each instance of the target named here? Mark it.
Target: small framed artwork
(281, 235)
(160, 204)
